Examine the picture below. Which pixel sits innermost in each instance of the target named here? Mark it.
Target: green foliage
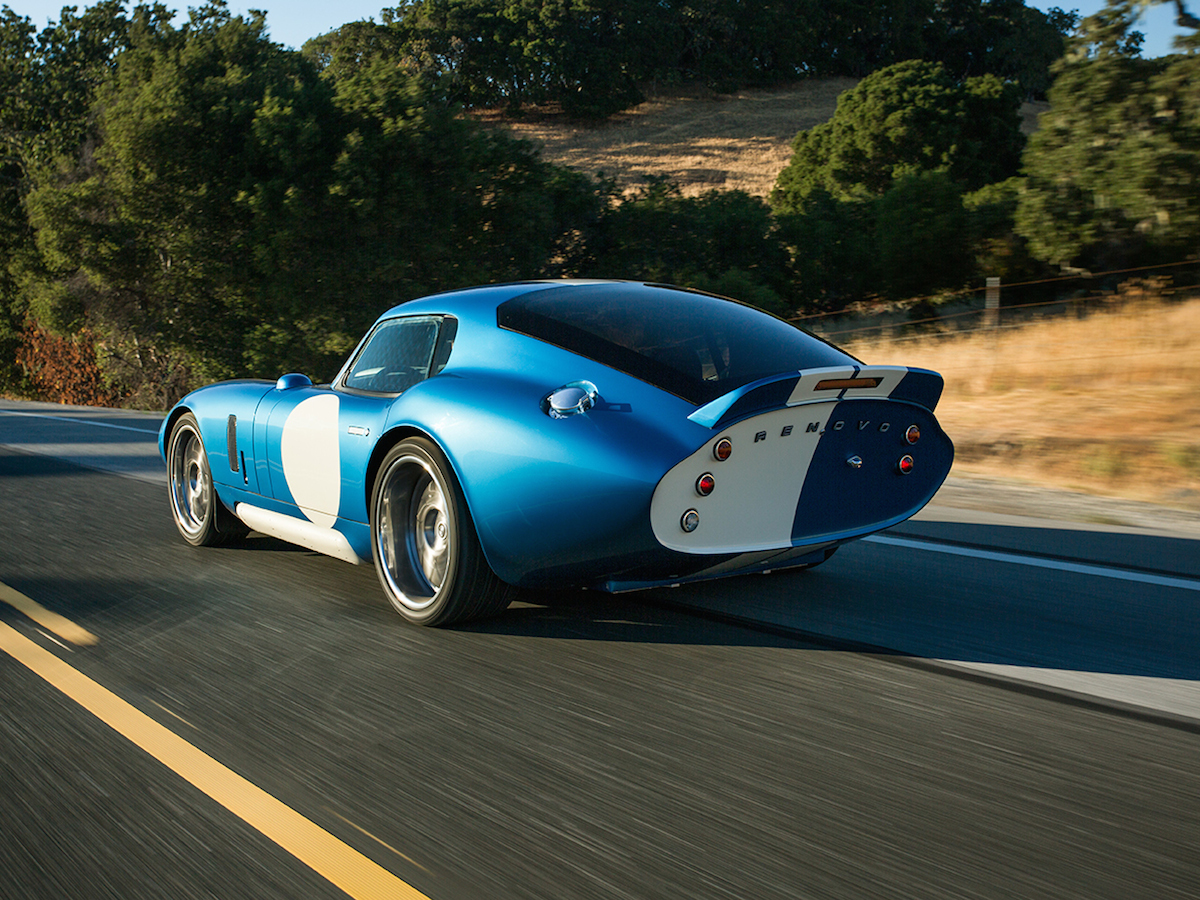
(233, 210)
(909, 118)
(12, 305)
(834, 249)
(1114, 171)
(1006, 38)
(577, 53)
(915, 239)
(589, 56)
(727, 43)
(340, 53)
(872, 199)
(997, 250)
(48, 84)
(431, 200)
(202, 202)
(719, 241)
(922, 234)
(147, 232)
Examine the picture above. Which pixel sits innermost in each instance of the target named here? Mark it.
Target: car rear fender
(539, 489)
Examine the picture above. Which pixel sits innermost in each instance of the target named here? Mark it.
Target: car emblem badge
(854, 462)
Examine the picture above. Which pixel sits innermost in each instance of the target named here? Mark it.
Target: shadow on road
(884, 599)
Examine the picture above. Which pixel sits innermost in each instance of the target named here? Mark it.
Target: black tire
(198, 512)
(426, 551)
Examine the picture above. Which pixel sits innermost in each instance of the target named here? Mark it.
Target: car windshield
(694, 345)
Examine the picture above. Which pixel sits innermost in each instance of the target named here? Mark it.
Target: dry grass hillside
(698, 139)
(1105, 403)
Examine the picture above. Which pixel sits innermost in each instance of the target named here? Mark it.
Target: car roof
(483, 297)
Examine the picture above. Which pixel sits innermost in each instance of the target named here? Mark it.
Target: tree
(583, 54)
(995, 246)
(48, 84)
(1114, 170)
(1005, 38)
(589, 56)
(719, 241)
(146, 235)
(833, 249)
(857, 38)
(233, 210)
(903, 120)
(923, 238)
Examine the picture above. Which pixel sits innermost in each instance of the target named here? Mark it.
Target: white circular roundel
(311, 464)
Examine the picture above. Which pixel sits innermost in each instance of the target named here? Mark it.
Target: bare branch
(1183, 18)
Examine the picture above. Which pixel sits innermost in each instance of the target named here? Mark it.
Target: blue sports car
(599, 434)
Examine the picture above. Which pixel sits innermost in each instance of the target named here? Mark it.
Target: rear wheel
(199, 515)
(424, 544)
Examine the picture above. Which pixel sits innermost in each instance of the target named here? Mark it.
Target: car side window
(397, 355)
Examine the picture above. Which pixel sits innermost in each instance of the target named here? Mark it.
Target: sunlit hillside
(696, 138)
(1106, 403)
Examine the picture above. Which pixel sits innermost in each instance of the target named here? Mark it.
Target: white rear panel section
(757, 489)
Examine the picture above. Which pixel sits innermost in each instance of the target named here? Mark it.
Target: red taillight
(905, 465)
(913, 434)
(722, 449)
(705, 484)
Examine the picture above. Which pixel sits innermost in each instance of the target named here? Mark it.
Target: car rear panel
(824, 466)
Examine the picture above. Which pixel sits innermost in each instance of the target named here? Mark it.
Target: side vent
(231, 442)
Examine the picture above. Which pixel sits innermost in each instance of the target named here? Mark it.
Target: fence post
(991, 304)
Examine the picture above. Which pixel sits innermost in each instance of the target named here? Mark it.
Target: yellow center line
(325, 854)
(64, 628)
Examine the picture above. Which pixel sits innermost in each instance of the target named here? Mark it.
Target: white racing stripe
(1186, 584)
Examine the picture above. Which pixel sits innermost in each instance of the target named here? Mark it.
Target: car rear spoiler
(919, 386)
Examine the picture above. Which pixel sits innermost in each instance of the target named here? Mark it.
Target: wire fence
(896, 323)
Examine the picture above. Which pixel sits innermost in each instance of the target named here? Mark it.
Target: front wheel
(424, 544)
(198, 514)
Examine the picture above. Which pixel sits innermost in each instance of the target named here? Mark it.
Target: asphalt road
(971, 705)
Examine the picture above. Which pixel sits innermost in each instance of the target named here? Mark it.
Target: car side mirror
(292, 380)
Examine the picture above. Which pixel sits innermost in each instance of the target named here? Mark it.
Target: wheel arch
(394, 436)
(168, 428)
(383, 446)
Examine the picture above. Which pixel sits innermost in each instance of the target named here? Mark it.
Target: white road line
(76, 421)
(1186, 584)
(1176, 696)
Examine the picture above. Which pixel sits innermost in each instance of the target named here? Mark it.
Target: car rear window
(693, 345)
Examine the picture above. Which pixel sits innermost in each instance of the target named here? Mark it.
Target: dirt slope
(698, 139)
